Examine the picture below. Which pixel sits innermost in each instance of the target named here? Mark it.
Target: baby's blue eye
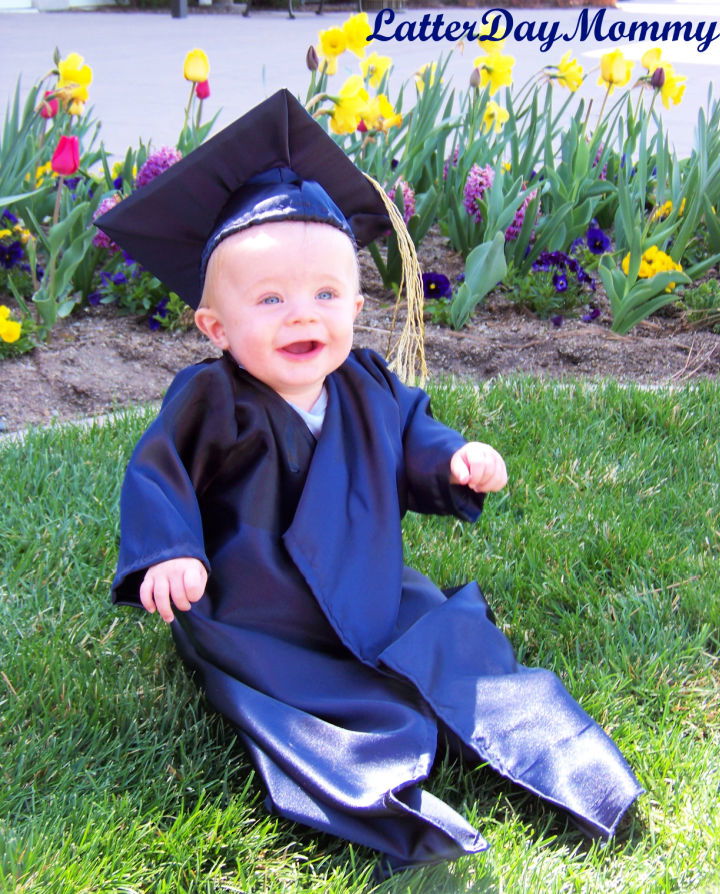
(325, 294)
(271, 299)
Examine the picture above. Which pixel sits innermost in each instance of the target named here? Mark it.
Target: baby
(261, 515)
(281, 298)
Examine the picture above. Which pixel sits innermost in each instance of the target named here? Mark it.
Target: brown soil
(98, 361)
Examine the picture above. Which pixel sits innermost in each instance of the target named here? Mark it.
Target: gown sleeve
(160, 516)
(428, 446)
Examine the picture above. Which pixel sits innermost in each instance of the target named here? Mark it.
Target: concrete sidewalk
(139, 92)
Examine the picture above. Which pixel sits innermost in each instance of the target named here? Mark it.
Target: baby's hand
(479, 466)
(180, 580)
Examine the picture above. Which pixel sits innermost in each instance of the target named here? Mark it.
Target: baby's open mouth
(301, 347)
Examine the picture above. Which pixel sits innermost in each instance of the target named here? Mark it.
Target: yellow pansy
(615, 70)
(653, 261)
(357, 30)
(662, 211)
(10, 330)
(494, 116)
(673, 89)
(41, 172)
(3, 235)
(4, 312)
(196, 67)
(495, 70)
(374, 68)
(570, 73)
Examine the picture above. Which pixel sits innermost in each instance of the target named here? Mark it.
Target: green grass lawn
(601, 561)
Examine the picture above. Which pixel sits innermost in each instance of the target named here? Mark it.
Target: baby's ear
(208, 322)
(359, 301)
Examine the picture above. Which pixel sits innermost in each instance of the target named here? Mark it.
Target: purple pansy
(557, 320)
(560, 282)
(11, 254)
(597, 241)
(591, 315)
(436, 285)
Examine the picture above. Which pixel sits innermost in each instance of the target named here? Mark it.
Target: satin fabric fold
(335, 662)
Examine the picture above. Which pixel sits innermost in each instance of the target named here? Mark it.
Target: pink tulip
(49, 107)
(202, 89)
(66, 158)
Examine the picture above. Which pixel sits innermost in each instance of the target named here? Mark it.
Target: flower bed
(606, 220)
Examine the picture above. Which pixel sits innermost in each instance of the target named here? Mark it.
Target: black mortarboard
(274, 163)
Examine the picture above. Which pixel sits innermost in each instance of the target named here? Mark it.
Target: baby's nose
(302, 311)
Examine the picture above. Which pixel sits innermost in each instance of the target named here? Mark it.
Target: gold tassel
(407, 356)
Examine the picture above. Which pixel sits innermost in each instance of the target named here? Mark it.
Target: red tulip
(66, 158)
(202, 89)
(49, 107)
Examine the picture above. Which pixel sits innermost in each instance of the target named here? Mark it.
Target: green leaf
(485, 267)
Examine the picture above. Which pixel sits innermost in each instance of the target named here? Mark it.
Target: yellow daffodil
(420, 75)
(328, 65)
(652, 59)
(495, 70)
(74, 72)
(673, 89)
(350, 107)
(196, 67)
(74, 79)
(379, 114)
(615, 70)
(332, 42)
(357, 30)
(653, 261)
(374, 68)
(570, 73)
(491, 47)
(494, 116)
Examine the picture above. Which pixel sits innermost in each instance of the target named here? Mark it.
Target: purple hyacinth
(100, 239)
(408, 197)
(596, 162)
(156, 164)
(451, 161)
(436, 285)
(513, 231)
(478, 181)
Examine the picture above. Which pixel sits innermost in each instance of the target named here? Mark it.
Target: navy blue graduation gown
(336, 663)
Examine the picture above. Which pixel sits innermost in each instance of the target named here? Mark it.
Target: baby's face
(282, 298)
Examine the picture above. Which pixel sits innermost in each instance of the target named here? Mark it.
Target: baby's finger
(177, 591)
(161, 594)
(195, 579)
(146, 594)
(459, 471)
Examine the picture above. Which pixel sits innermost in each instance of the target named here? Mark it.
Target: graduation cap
(274, 163)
